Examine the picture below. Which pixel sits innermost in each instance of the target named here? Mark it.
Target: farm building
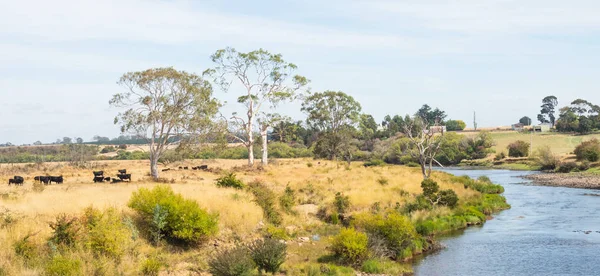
(542, 128)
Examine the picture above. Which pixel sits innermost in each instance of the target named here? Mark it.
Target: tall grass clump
(232, 262)
(266, 199)
(62, 266)
(185, 221)
(288, 200)
(546, 159)
(268, 254)
(106, 233)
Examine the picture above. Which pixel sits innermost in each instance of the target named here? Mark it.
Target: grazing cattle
(56, 179)
(185, 168)
(124, 176)
(166, 170)
(114, 180)
(17, 180)
(203, 167)
(194, 168)
(98, 173)
(42, 179)
(124, 171)
(107, 179)
(181, 168)
(11, 181)
(98, 179)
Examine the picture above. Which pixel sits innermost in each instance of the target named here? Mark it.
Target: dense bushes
(186, 221)
(454, 125)
(350, 246)
(266, 199)
(588, 150)
(546, 159)
(232, 262)
(268, 254)
(482, 185)
(62, 266)
(229, 180)
(106, 233)
(397, 231)
(518, 149)
(435, 196)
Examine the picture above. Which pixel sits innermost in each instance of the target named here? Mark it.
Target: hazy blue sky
(60, 59)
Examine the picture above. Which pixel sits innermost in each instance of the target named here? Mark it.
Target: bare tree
(267, 79)
(427, 141)
(164, 106)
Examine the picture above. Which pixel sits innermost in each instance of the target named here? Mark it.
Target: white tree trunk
(265, 154)
(154, 166)
(250, 144)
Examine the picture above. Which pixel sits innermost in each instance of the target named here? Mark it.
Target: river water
(542, 234)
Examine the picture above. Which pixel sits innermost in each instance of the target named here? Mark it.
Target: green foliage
(233, 262)
(131, 155)
(159, 221)
(284, 150)
(588, 150)
(383, 181)
(106, 232)
(266, 199)
(567, 167)
(65, 230)
(341, 203)
(518, 149)
(25, 248)
(397, 230)
(288, 200)
(268, 254)
(454, 125)
(430, 189)
(229, 180)
(48, 153)
(151, 266)
(277, 233)
(384, 267)
(62, 266)
(500, 156)
(421, 203)
(350, 246)
(374, 163)
(108, 149)
(186, 221)
(448, 198)
(546, 159)
(483, 185)
(331, 110)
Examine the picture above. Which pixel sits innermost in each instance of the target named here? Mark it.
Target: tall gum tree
(164, 105)
(427, 138)
(267, 80)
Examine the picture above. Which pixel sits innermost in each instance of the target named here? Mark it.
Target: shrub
(372, 266)
(588, 150)
(484, 179)
(383, 181)
(107, 234)
(229, 180)
(584, 166)
(421, 203)
(25, 248)
(151, 266)
(453, 125)
(350, 246)
(374, 163)
(108, 149)
(500, 156)
(309, 164)
(62, 266)
(65, 229)
(123, 146)
(567, 167)
(266, 199)
(186, 221)
(485, 187)
(448, 198)
(518, 149)
(232, 262)
(268, 254)
(341, 203)
(159, 222)
(546, 159)
(384, 267)
(430, 189)
(288, 200)
(397, 230)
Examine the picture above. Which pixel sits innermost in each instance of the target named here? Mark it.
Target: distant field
(562, 144)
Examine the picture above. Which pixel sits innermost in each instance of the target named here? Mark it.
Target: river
(542, 234)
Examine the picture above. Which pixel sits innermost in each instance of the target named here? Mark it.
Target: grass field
(240, 218)
(561, 144)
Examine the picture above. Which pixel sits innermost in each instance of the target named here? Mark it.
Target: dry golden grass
(239, 216)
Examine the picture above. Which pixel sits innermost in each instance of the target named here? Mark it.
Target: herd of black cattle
(98, 177)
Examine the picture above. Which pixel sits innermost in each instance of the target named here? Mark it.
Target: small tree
(549, 103)
(518, 149)
(164, 105)
(266, 78)
(453, 125)
(427, 141)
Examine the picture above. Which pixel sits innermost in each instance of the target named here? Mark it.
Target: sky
(60, 60)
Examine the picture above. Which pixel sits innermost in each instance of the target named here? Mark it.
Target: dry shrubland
(24, 211)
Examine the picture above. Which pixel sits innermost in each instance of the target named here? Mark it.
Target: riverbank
(570, 180)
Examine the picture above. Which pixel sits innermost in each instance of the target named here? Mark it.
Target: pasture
(25, 211)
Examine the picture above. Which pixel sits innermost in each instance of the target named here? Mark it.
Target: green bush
(499, 156)
(454, 125)
(288, 200)
(266, 199)
(106, 232)
(430, 189)
(232, 262)
(383, 181)
(399, 233)
(384, 267)
(65, 230)
(62, 266)
(567, 167)
(518, 149)
(186, 221)
(229, 180)
(485, 186)
(341, 203)
(448, 198)
(421, 203)
(546, 159)
(588, 150)
(374, 163)
(151, 266)
(284, 150)
(350, 246)
(25, 248)
(268, 254)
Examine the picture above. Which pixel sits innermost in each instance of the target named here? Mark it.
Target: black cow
(98, 179)
(11, 181)
(98, 173)
(42, 179)
(185, 168)
(194, 168)
(181, 168)
(203, 167)
(124, 171)
(107, 179)
(166, 170)
(56, 179)
(114, 180)
(124, 176)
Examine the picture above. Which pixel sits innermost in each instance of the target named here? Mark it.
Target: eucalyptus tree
(267, 80)
(164, 105)
(427, 138)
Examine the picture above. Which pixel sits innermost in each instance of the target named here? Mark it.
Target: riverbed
(548, 231)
